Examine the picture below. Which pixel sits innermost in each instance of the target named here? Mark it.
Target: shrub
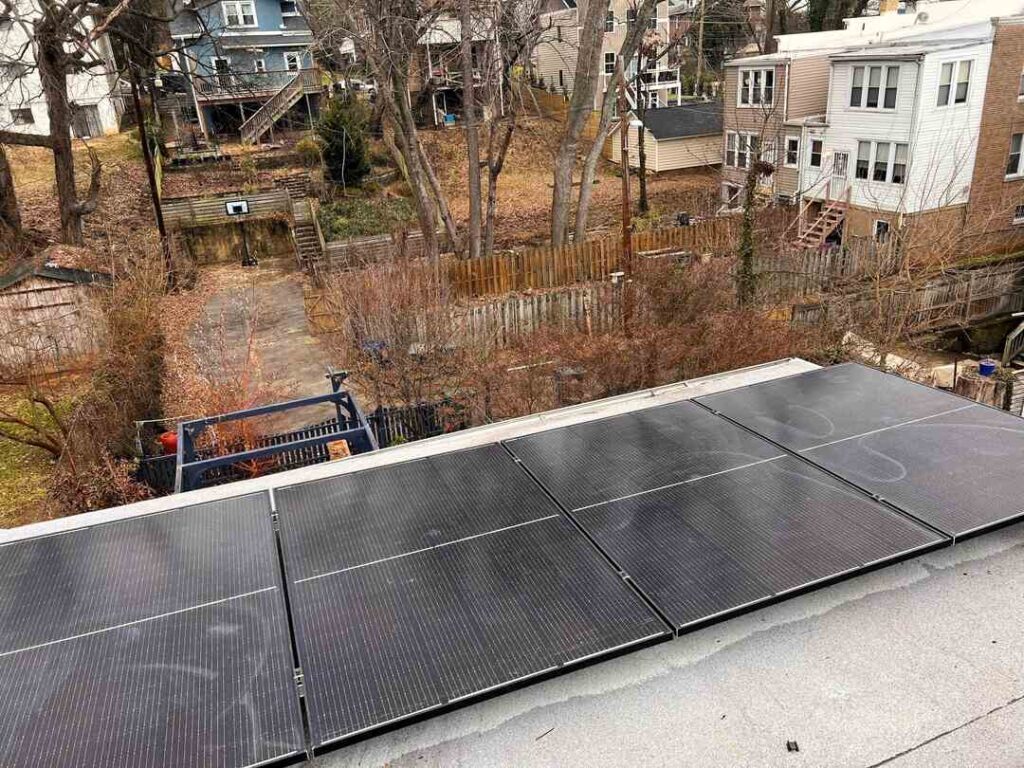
(308, 150)
(342, 130)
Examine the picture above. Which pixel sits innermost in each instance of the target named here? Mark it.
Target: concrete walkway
(292, 361)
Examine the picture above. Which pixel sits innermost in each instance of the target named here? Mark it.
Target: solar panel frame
(428, 648)
(167, 571)
(839, 456)
(315, 601)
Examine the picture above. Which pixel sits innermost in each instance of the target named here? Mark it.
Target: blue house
(247, 64)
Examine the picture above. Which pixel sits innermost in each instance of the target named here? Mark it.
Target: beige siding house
(767, 99)
(687, 136)
(554, 60)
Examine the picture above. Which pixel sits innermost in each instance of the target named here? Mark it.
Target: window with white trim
(293, 61)
(730, 149)
(609, 22)
(881, 161)
(881, 230)
(792, 151)
(875, 87)
(1018, 214)
(954, 83)
(731, 195)
(239, 13)
(609, 63)
(815, 160)
(742, 149)
(755, 87)
(259, 65)
(1020, 88)
(1013, 166)
(289, 8)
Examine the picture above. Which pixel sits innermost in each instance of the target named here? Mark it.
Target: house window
(730, 149)
(950, 92)
(768, 152)
(561, 78)
(22, 116)
(863, 159)
(742, 151)
(289, 8)
(630, 18)
(731, 195)
(899, 164)
(881, 230)
(652, 23)
(609, 22)
(892, 76)
(1020, 88)
(259, 65)
(857, 90)
(792, 150)
(881, 162)
(815, 153)
(1013, 162)
(1018, 214)
(558, 33)
(756, 87)
(293, 61)
(874, 94)
(239, 13)
(609, 63)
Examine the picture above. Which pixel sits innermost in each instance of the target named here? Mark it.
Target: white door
(840, 167)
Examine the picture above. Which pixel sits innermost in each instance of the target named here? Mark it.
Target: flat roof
(915, 665)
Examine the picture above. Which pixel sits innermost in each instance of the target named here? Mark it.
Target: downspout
(785, 117)
(912, 139)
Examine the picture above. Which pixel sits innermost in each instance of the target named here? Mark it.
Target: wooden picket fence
(590, 260)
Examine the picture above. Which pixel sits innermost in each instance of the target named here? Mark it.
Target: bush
(308, 150)
(359, 217)
(342, 130)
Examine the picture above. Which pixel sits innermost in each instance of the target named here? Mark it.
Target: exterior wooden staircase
(277, 106)
(309, 244)
(831, 216)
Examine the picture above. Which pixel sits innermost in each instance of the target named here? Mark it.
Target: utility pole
(627, 234)
(700, 51)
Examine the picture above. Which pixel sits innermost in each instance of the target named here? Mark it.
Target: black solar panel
(382, 642)
(417, 585)
(703, 549)
(597, 461)
(829, 404)
(949, 462)
(377, 513)
(156, 641)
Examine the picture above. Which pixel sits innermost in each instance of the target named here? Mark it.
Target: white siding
(941, 140)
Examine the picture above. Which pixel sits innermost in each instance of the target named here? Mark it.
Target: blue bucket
(987, 367)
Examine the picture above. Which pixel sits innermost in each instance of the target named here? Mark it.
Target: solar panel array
(949, 462)
(158, 641)
(402, 590)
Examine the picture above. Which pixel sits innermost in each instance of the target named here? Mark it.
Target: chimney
(888, 6)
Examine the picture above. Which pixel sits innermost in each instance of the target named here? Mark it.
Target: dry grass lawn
(524, 187)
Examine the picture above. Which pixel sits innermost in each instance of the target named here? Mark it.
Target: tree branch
(14, 138)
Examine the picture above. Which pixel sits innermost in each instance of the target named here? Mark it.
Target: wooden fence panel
(186, 212)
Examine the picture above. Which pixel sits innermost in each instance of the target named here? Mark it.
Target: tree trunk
(629, 47)
(746, 282)
(10, 216)
(497, 149)
(581, 103)
(641, 150)
(53, 75)
(472, 134)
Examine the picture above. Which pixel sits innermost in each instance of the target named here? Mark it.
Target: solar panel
(593, 462)
(703, 549)
(947, 461)
(157, 641)
(465, 610)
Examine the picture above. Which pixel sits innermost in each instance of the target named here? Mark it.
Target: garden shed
(687, 136)
(50, 316)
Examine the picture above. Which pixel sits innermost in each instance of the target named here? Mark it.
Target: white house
(97, 108)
